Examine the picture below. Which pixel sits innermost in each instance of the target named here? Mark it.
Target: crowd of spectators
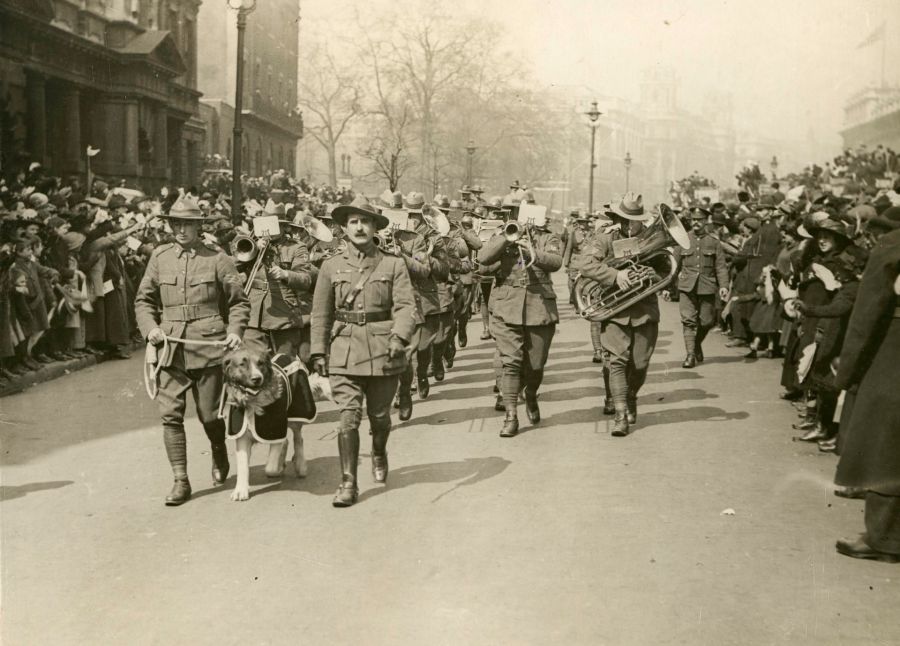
(71, 258)
(796, 260)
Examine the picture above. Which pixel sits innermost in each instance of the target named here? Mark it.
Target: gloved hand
(156, 336)
(396, 349)
(320, 365)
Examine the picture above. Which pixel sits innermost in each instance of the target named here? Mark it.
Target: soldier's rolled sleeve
(147, 302)
(404, 304)
(472, 240)
(298, 277)
(546, 254)
(417, 262)
(322, 317)
(492, 250)
(236, 299)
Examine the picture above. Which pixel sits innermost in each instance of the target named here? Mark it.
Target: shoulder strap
(360, 284)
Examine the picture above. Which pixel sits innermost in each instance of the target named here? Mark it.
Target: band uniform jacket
(280, 304)
(577, 248)
(464, 242)
(425, 269)
(523, 295)
(702, 267)
(596, 268)
(181, 293)
(870, 456)
(360, 348)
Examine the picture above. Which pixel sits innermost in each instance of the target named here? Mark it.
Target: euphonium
(651, 268)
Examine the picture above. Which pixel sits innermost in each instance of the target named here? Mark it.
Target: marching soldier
(279, 296)
(485, 274)
(179, 297)
(466, 242)
(447, 290)
(703, 273)
(362, 321)
(523, 313)
(629, 337)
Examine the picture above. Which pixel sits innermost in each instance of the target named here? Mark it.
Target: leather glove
(320, 365)
(396, 349)
(156, 336)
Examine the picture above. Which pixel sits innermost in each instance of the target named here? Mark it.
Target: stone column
(161, 141)
(37, 117)
(72, 149)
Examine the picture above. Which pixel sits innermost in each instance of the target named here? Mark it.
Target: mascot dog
(264, 396)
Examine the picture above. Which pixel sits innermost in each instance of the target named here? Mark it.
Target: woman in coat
(870, 458)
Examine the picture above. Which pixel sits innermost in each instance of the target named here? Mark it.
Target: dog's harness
(153, 365)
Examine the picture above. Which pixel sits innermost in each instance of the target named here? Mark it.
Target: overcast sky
(789, 65)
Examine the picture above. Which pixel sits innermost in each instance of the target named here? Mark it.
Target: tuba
(652, 267)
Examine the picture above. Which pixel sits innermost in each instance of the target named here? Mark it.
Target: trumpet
(242, 253)
(513, 231)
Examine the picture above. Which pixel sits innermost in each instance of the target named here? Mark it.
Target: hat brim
(194, 217)
(344, 211)
(814, 230)
(618, 212)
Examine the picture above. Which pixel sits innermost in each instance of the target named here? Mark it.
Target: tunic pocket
(378, 292)
(168, 290)
(340, 347)
(203, 288)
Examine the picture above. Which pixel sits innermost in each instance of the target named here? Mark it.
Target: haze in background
(788, 66)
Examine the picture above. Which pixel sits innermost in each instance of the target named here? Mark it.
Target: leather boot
(348, 448)
(531, 407)
(405, 404)
(608, 407)
(510, 423)
(808, 424)
(176, 450)
(689, 361)
(380, 433)
(180, 494)
(620, 424)
(215, 432)
(631, 410)
(437, 361)
(463, 339)
(498, 404)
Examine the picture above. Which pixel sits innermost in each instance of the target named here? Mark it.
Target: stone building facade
(118, 75)
(272, 123)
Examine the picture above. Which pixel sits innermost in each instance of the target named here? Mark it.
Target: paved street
(563, 535)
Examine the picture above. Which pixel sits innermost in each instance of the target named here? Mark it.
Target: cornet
(513, 231)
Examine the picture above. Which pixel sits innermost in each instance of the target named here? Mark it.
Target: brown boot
(348, 447)
(620, 423)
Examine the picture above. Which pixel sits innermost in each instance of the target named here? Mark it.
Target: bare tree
(331, 93)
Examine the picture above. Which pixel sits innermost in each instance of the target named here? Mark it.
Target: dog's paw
(300, 467)
(240, 494)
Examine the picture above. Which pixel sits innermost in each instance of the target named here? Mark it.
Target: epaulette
(165, 246)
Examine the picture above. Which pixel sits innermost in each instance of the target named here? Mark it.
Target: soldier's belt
(361, 318)
(189, 312)
(521, 282)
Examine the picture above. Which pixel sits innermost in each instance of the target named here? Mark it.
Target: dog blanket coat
(296, 404)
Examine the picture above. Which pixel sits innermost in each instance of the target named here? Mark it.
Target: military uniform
(280, 308)
(181, 293)
(448, 299)
(463, 243)
(629, 337)
(576, 249)
(523, 316)
(703, 271)
(362, 300)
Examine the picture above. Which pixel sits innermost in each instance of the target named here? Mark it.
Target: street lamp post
(774, 165)
(243, 7)
(470, 149)
(593, 114)
(627, 169)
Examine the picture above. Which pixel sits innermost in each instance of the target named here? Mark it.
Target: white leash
(153, 365)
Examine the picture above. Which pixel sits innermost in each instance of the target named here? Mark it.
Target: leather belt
(361, 318)
(521, 282)
(189, 311)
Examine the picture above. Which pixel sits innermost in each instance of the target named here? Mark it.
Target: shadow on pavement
(11, 492)
(675, 396)
(451, 416)
(468, 472)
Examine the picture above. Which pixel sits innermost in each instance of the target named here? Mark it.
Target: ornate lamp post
(774, 165)
(627, 161)
(243, 7)
(470, 149)
(594, 115)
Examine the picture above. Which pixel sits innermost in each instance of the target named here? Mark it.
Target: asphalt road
(562, 535)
